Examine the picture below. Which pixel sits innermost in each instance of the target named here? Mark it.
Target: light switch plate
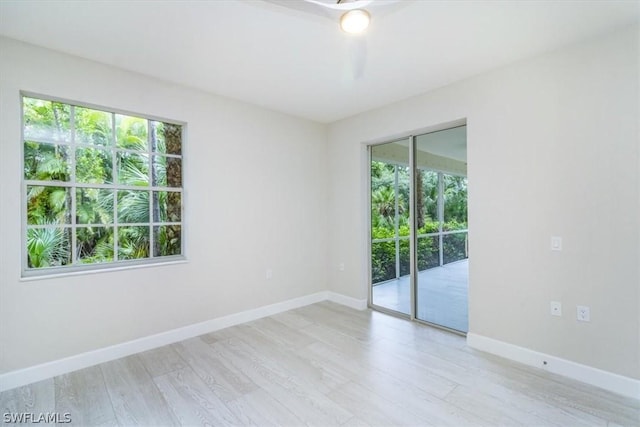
(556, 243)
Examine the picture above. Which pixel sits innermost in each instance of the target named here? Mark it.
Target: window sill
(34, 276)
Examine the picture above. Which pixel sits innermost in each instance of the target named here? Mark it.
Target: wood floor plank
(381, 368)
(403, 332)
(362, 358)
(578, 401)
(83, 394)
(313, 407)
(219, 335)
(281, 333)
(513, 409)
(362, 317)
(594, 395)
(292, 319)
(374, 325)
(419, 396)
(345, 342)
(479, 378)
(259, 408)
(281, 359)
(191, 401)
(435, 410)
(372, 408)
(221, 376)
(356, 422)
(162, 360)
(34, 398)
(134, 396)
(354, 327)
(426, 362)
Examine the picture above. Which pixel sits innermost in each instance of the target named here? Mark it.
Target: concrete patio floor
(442, 295)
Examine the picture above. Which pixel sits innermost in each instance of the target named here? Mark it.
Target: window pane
(93, 126)
(46, 162)
(454, 247)
(94, 244)
(455, 202)
(46, 120)
(428, 255)
(159, 172)
(167, 171)
(133, 242)
(48, 247)
(168, 138)
(405, 268)
(168, 240)
(48, 205)
(133, 206)
(383, 261)
(94, 206)
(133, 169)
(403, 196)
(94, 166)
(167, 206)
(427, 201)
(131, 133)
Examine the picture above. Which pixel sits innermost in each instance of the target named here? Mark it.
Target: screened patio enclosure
(419, 224)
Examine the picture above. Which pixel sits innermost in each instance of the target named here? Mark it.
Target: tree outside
(92, 195)
(387, 227)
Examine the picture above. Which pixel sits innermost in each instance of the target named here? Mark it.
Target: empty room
(320, 212)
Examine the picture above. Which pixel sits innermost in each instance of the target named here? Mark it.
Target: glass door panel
(390, 226)
(441, 228)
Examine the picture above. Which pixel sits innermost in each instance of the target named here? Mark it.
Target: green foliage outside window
(92, 194)
(383, 217)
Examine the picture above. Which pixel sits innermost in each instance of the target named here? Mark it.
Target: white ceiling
(300, 63)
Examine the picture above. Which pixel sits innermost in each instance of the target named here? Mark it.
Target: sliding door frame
(412, 223)
(370, 303)
(413, 261)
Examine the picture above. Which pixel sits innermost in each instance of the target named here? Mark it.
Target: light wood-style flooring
(322, 365)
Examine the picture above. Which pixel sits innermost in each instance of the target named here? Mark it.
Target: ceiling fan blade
(335, 10)
(350, 5)
(314, 8)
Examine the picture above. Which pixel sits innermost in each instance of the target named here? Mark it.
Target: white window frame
(77, 267)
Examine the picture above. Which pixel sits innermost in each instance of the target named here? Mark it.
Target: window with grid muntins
(100, 188)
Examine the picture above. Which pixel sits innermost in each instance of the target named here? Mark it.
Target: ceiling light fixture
(355, 21)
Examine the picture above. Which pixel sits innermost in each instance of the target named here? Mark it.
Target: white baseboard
(609, 381)
(356, 304)
(48, 370)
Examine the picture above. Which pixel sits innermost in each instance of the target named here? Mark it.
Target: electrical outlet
(556, 308)
(583, 313)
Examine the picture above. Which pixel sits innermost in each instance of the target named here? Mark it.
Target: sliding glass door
(390, 226)
(419, 235)
(441, 225)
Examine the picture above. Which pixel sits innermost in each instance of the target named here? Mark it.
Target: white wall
(255, 199)
(553, 149)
